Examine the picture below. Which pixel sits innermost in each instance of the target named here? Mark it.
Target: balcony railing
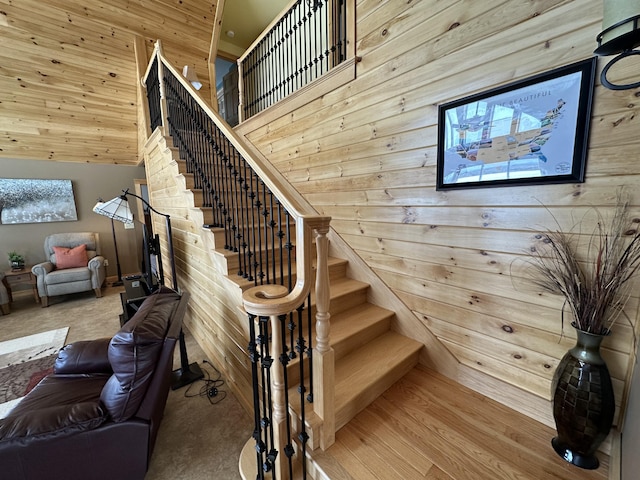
(271, 229)
(307, 41)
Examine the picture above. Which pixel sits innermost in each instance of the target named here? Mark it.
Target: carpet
(24, 362)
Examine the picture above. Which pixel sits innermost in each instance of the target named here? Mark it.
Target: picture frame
(532, 131)
(34, 200)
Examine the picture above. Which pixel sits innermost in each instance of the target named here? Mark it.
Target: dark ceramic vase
(583, 402)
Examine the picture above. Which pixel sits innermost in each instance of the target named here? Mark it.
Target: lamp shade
(116, 209)
(619, 27)
(190, 74)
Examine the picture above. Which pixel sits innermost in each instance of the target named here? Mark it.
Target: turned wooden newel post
(163, 94)
(278, 401)
(323, 355)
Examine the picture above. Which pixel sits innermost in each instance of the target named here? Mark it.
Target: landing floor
(429, 427)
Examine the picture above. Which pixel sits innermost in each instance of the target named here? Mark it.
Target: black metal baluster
(260, 249)
(257, 428)
(284, 360)
(302, 389)
(255, 224)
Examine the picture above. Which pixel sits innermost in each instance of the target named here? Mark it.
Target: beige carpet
(197, 440)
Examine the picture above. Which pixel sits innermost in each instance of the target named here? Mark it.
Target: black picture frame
(529, 132)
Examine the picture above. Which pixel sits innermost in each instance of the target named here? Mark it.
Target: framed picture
(533, 131)
(24, 200)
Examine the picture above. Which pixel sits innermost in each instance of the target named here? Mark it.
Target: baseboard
(615, 455)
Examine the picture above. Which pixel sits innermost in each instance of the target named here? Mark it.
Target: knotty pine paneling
(68, 76)
(214, 317)
(364, 153)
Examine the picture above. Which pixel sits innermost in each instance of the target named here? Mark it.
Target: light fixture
(190, 74)
(114, 211)
(119, 206)
(620, 35)
(230, 33)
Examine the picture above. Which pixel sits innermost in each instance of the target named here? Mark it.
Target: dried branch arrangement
(595, 285)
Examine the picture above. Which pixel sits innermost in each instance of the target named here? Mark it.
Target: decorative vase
(583, 402)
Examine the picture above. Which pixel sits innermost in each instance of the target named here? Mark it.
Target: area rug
(32, 347)
(24, 362)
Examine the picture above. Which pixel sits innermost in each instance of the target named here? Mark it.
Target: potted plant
(593, 273)
(16, 261)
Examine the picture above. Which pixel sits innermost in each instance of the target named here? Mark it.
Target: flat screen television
(151, 268)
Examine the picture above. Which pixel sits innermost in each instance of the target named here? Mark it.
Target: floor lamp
(118, 209)
(102, 208)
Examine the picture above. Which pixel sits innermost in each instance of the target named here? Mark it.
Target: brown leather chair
(97, 416)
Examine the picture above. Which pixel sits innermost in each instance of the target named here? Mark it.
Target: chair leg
(98, 292)
(5, 308)
(45, 301)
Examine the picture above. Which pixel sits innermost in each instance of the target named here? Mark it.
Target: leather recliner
(97, 416)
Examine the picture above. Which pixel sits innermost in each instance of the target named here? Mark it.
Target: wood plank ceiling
(68, 72)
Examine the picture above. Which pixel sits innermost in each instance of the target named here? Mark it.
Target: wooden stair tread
(365, 373)
(356, 326)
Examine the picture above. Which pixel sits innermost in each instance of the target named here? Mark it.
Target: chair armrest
(84, 357)
(96, 262)
(50, 422)
(42, 269)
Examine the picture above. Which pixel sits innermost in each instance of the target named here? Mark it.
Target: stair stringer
(435, 355)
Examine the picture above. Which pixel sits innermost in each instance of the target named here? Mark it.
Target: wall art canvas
(36, 201)
(533, 131)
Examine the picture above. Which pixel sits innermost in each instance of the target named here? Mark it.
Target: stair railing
(271, 228)
(307, 40)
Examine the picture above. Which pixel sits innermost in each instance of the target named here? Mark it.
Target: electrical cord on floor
(211, 388)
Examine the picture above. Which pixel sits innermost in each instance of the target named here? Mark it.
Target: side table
(21, 277)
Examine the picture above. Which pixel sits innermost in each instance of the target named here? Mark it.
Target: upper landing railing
(308, 40)
(271, 228)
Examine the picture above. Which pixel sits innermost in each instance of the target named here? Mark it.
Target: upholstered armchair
(4, 296)
(74, 265)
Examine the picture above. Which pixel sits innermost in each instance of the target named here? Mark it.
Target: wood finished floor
(428, 427)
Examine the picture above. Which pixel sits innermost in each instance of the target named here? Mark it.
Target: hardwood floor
(428, 427)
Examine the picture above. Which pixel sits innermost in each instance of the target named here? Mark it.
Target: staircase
(356, 354)
(369, 356)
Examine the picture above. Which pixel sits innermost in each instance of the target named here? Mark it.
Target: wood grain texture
(365, 154)
(428, 427)
(68, 73)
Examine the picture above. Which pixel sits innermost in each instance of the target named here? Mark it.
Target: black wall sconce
(620, 35)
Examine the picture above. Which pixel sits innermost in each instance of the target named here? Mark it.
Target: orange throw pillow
(71, 257)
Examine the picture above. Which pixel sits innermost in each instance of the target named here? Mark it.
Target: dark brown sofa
(97, 416)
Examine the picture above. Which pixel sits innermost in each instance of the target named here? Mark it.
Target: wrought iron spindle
(259, 228)
(297, 50)
(153, 96)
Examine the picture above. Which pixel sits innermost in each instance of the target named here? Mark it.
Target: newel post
(163, 94)
(279, 418)
(323, 355)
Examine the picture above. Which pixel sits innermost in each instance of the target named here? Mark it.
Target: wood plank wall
(214, 316)
(68, 72)
(365, 154)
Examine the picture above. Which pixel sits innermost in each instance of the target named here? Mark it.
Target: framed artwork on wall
(533, 131)
(24, 200)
